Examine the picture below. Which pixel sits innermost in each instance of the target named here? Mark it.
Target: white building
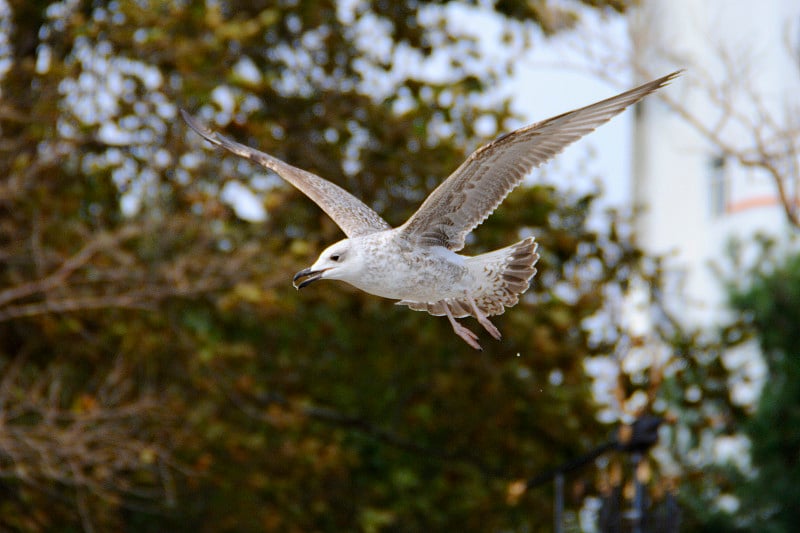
(741, 81)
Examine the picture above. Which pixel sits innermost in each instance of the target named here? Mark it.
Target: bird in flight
(417, 263)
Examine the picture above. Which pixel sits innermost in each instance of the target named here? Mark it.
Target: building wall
(693, 197)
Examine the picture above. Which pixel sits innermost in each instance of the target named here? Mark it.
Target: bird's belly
(421, 279)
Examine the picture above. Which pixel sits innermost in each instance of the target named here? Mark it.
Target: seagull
(417, 263)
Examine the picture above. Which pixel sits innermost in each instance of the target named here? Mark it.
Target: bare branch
(770, 142)
(99, 449)
(102, 241)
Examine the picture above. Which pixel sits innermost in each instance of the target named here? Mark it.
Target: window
(717, 190)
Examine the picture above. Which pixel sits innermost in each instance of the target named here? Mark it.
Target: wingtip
(200, 129)
(659, 83)
(192, 122)
(185, 115)
(665, 80)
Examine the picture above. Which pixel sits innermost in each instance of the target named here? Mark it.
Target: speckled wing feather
(482, 182)
(351, 214)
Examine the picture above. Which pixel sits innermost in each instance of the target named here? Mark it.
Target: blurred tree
(767, 491)
(159, 371)
(769, 499)
(733, 460)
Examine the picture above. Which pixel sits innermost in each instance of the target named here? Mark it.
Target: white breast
(418, 274)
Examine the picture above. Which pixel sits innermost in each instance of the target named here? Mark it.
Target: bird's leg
(461, 330)
(483, 320)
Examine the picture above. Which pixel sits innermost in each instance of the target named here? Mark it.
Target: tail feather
(508, 272)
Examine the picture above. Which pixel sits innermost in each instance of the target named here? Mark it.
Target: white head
(340, 261)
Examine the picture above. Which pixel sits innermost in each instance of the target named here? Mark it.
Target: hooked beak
(310, 275)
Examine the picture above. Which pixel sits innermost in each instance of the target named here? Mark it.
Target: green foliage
(160, 372)
(763, 287)
(770, 303)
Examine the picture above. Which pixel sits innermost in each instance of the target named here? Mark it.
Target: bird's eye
(335, 257)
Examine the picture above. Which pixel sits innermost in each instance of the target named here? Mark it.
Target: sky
(556, 78)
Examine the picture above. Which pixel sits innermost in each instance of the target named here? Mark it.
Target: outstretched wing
(349, 213)
(481, 183)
